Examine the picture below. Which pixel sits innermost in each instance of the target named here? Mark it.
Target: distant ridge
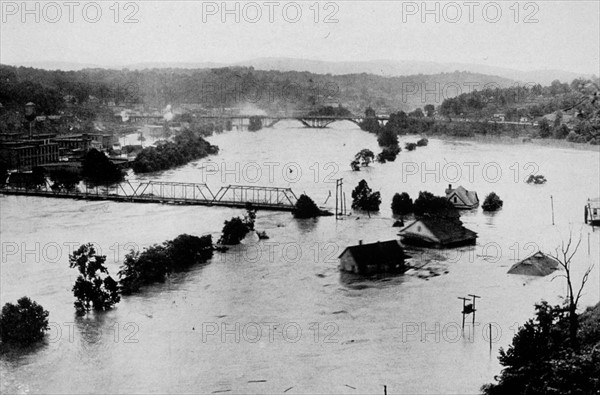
(392, 68)
(387, 68)
(64, 66)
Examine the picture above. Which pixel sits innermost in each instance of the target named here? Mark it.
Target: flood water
(277, 315)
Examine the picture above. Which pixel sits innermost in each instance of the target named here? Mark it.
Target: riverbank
(506, 140)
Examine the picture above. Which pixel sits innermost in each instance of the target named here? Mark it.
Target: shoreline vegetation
(186, 147)
(508, 140)
(544, 359)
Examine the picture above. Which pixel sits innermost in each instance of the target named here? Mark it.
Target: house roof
(594, 203)
(538, 264)
(445, 230)
(467, 197)
(376, 252)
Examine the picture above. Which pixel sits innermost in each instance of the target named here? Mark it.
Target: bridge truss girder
(256, 195)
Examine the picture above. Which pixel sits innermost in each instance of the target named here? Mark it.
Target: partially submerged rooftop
(538, 264)
(437, 232)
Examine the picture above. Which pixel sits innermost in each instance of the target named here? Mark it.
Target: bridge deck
(226, 197)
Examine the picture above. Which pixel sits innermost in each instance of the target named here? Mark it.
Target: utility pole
(468, 308)
(464, 311)
(474, 310)
(552, 206)
(339, 197)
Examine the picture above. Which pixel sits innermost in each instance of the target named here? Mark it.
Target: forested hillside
(233, 87)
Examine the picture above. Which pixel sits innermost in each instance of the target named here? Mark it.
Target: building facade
(27, 154)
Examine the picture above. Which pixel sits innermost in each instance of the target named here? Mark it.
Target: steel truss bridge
(310, 121)
(264, 198)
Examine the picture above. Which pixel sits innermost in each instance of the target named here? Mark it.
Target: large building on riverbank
(23, 153)
(28, 153)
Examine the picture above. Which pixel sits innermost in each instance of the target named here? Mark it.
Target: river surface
(276, 315)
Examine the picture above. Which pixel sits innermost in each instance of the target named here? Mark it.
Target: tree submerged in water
(255, 124)
(370, 122)
(363, 198)
(23, 323)
(410, 146)
(64, 179)
(422, 142)
(234, 231)
(155, 263)
(388, 154)
(364, 157)
(492, 202)
(402, 204)
(98, 169)
(188, 145)
(237, 228)
(91, 289)
(428, 205)
(306, 208)
(387, 138)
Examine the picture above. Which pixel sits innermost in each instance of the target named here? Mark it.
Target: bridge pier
(316, 123)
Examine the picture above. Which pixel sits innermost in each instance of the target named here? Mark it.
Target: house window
(595, 212)
(454, 198)
(418, 228)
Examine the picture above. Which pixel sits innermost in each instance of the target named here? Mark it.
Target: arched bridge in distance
(310, 121)
(178, 193)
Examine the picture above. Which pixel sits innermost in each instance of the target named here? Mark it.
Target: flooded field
(277, 315)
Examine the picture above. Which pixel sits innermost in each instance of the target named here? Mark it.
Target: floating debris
(539, 179)
(262, 235)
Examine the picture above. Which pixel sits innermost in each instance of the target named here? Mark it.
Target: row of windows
(37, 155)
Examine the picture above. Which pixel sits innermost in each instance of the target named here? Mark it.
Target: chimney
(360, 242)
(449, 186)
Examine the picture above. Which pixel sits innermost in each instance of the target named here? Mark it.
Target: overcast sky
(560, 34)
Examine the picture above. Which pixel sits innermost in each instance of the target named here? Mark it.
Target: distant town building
(437, 233)
(381, 257)
(105, 140)
(145, 118)
(191, 106)
(461, 198)
(525, 120)
(74, 142)
(153, 130)
(551, 118)
(85, 141)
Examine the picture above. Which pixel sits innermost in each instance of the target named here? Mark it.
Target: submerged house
(461, 198)
(538, 264)
(381, 257)
(592, 212)
(437, 233)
